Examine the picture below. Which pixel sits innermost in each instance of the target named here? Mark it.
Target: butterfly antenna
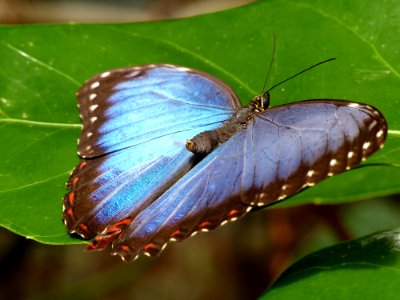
(270, 65)
(301, 72)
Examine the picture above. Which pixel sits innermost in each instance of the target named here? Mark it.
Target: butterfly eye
(265, 100)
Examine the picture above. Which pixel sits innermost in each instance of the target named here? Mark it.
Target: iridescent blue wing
(135, 123)
(130, 106)
(281, 151)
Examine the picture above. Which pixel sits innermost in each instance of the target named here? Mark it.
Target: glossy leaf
(41, 67)
(367, 268)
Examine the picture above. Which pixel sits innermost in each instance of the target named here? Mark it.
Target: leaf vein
(34, 183)
(41, 63)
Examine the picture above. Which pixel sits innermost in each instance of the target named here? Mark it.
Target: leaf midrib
(39, 123)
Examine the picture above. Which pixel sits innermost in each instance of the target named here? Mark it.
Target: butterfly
(168, 151)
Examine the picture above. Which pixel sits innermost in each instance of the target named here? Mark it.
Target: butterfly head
(260, 102)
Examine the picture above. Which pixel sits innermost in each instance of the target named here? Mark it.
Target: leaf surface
(367, 268)
(41, 67)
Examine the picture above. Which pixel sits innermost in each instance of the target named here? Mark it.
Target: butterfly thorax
(205, 142)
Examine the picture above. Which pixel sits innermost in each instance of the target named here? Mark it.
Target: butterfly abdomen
(205, 142)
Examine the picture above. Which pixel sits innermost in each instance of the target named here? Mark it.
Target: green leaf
(366, 268)
(41, 67)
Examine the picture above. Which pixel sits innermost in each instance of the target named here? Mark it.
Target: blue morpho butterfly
(138, 187)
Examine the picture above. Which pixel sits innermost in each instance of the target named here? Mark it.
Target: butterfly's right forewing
(294, 146)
